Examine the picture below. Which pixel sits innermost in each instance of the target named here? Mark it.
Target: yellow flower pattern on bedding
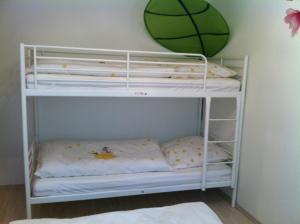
(187, 152)
(213, 71)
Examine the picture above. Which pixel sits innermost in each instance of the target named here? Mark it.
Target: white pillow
(220, 70)
(95, 158)
(213, 71)
(187, 152)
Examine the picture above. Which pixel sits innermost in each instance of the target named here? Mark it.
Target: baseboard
(240, 208)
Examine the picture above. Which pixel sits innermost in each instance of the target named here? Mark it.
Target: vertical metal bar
(34, 67)
(236, 137)
(206, 135)
(240, 128)
(205, 74)
(222, 61)
(127, 68)
(199, 115)
(245, 76)
(25, 130)
(36, 118)
(236, 151)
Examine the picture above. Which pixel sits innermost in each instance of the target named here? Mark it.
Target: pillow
(187, 152)
(213, 71)
(220, 70)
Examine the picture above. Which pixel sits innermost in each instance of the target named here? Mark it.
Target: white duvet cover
(58, 81)
(96, 158)
(188, 213)
(108, 69)
(102, 69)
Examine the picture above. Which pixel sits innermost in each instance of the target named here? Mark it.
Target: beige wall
(270, 170)
(269, 185)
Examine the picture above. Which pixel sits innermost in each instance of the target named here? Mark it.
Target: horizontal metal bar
(221, 141)
(127, 192)
(121, 61)
(123, 80)
(80, 59)
(117, 71)
(168, 63)
(217, 163)
(213, 119)
(113, 50)
(131, 92)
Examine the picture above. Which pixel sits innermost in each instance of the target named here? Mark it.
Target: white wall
(270, 170)
(117, 118)
(269, 185)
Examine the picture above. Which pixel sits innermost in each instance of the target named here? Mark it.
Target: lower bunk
(80, 170)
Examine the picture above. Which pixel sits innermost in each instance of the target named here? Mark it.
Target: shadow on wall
(10, 131)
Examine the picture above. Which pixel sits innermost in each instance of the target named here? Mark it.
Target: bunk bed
(72, 71)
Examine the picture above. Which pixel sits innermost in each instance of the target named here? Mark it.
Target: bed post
(25, 130)
(206, 134)
(240, 104)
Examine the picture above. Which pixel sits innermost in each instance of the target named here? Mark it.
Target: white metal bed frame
(29, 56)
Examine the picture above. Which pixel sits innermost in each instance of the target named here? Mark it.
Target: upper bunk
(73, 71)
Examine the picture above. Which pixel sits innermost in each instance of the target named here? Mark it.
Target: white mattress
(59, 81)
(88, 184)
(196, 212)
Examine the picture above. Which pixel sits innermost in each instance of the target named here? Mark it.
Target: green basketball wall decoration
(192, 26)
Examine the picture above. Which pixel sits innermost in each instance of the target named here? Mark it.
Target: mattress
(91, 184)
(196, 212)
(63, 81)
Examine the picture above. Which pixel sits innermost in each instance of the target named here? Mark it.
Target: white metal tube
(116, 70)
(205, 75)
(168, 63)
(217, 163)
(113, 50)
(206, 136)
(36, 118)
(119, 61)
(81, 59)
(25, 130)
(220, 141)
(223, 119)
(240, 130)
(127, 69)
(199, 121)
(236, 137)
(34, 67)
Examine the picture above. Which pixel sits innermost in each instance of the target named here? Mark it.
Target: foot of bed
(233, 199)
(28, 211)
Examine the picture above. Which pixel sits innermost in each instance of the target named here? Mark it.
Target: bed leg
(233, 199)
(28, 210)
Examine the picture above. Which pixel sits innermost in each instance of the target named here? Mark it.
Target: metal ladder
(236, 145)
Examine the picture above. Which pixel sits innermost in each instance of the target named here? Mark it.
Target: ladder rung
(221, 141)
(213, 119)
(216, 163)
